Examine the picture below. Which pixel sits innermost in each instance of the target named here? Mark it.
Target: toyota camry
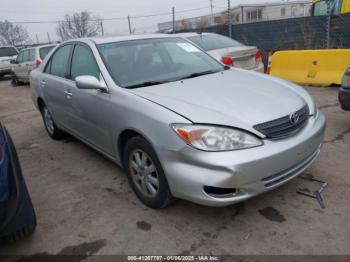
(180, 123)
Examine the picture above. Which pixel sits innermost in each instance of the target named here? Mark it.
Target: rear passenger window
(59, 61)
(83, 63)
(25, 56)
(31, 54)
(20, 57)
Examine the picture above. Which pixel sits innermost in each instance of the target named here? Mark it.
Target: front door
(90, 115)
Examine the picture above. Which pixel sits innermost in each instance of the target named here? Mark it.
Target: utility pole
(173, 20)
(130, 31)
(229, 18)
(48, 37)
(37, 38)
(212, 12)
(102, 29)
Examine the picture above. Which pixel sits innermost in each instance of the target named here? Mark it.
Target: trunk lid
(243, 56)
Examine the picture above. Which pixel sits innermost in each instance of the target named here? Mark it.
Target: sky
(53, 10)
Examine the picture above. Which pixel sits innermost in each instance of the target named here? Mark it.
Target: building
(244, 14)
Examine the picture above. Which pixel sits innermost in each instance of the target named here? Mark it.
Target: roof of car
(186, 35)
(110, 39)
(38, 46)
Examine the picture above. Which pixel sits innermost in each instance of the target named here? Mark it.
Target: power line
(113, 18)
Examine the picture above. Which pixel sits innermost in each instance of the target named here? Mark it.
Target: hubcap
(49, 121)
(144, 173)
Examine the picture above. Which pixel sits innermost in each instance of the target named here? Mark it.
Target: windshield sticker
(188, 47)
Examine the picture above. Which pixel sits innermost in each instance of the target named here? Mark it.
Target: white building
(244, 14)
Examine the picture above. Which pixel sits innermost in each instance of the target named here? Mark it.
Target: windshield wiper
(200, 74)
(147, 83)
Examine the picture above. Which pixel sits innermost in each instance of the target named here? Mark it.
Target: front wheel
(51, 128)
(145, 173)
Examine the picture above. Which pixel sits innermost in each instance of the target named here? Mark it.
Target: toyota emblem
(294, 118)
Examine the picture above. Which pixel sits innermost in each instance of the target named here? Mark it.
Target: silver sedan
(180, 123)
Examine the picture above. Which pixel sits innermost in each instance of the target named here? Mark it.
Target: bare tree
(78, 25)
(11, 34)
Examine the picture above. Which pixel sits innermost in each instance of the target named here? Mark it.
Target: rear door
(23, 65)
(29, 64)
(16, 67)
(53, 82)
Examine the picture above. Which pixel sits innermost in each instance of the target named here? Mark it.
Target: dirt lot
(85, 205)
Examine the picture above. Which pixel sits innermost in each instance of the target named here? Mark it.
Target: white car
(27, 60)
(7, 53)
(228, 51)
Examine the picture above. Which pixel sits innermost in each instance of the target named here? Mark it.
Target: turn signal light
(226, 60)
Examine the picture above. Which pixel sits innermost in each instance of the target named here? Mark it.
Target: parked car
(7, 53)
(344, 91)
(228, 51)
(180, 123)
(27, 60)
(17, 216)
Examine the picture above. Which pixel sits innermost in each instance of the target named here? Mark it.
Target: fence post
(173, 20)
(229, 18)
(129, 23)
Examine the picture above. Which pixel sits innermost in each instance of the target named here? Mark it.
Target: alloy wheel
(144, 173)
(49, 121)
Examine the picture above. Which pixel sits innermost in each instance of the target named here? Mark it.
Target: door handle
(42, 83)
(68, 94)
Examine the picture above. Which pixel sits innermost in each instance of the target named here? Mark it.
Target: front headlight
(214, 138)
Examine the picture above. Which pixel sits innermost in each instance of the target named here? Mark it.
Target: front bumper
(250, 171)
(344, 98)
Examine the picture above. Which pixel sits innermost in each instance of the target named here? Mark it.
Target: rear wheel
(15, 81)
(51, 128)
(145, 173)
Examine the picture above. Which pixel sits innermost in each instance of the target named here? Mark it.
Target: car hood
(235, 97)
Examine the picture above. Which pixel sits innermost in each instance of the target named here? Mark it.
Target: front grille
(283, 127)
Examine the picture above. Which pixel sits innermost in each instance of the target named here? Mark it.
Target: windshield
(43, 51)
(7, 51)
(145, 62)
(320, 8)
(211, 42)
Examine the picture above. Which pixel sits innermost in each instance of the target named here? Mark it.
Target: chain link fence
(291, 34)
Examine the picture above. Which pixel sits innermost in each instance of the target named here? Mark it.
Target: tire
(50, 126)
(19, 234)
(146, 173)
(15, 81)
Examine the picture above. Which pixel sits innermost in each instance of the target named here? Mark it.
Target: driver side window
(83, 63)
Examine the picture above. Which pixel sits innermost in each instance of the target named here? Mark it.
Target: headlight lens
(214, 138)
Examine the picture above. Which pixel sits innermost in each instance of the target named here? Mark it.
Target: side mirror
(89, 82)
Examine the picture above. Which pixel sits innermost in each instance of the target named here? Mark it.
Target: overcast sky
(48, 10)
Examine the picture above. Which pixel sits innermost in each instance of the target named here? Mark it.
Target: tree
(11, 34)
(78, 25)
